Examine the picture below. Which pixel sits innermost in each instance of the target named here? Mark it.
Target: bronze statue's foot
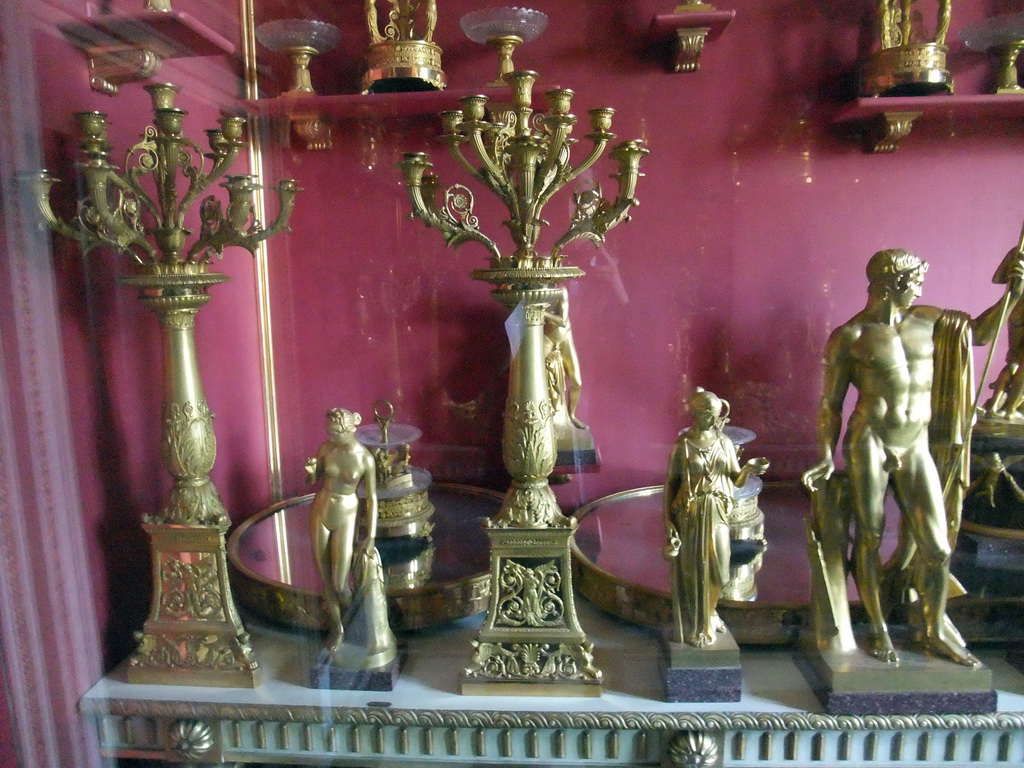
(947, 649)
(717, 624)
(880, 646)
(334, 642)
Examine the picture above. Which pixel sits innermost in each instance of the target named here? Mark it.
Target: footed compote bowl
(504, 29)
(1004, 36)
(301, 39)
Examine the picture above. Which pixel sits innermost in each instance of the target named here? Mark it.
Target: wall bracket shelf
(687, 32)
(127, 47)
(881, 122)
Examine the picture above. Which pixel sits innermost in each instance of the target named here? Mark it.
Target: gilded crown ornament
(403, 55)
(531, 643)
(193, 635)
(911, 60)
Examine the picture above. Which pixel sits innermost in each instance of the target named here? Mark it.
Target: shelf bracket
(688, 48)
(111, 68)
(127, 47)
(314, 129)
(883, 132)
(687, 30)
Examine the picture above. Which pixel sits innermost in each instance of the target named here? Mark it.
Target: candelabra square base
(193, 635)
(703, 674)
(854, 683)
(531, 643)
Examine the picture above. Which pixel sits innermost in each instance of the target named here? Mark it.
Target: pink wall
(749, 245)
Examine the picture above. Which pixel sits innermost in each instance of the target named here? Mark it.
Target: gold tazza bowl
(431, 579)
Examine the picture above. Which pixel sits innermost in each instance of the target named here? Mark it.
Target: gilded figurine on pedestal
(361, 651)
(703, 471)
(912, 369)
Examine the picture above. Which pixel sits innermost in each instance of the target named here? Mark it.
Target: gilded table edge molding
(718, 721)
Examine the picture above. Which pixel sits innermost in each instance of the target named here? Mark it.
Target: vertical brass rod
(265, 324)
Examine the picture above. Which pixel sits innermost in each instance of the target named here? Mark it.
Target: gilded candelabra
(193, 635)
(531, 642)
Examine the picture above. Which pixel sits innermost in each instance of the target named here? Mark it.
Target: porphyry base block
(855, 683)
(325, 675)
(703, 674)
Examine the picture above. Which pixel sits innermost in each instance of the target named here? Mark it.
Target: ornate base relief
(537, 662)
(193, 635)
(531, 642)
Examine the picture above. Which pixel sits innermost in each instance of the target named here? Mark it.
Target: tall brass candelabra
(531, 642)
(193, 635)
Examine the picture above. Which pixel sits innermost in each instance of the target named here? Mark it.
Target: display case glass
(755, 219)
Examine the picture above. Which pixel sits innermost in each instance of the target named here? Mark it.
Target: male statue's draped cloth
(949, 434)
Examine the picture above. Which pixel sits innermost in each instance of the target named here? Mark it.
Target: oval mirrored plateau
(431, 580)
(618, 566)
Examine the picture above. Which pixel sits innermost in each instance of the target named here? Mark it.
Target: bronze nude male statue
(911, 367)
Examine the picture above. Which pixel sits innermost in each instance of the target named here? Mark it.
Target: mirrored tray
(431, 580)
(618, 566)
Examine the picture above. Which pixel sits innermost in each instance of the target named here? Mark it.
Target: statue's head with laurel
(708, 409)
(341, 421)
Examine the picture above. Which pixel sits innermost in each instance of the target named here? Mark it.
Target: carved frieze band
(718, 721)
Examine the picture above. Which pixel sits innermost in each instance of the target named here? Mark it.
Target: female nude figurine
(342, 462)
(702, 473)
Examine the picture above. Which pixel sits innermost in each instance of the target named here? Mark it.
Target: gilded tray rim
(305, 616)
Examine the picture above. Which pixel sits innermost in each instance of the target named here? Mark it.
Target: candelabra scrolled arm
(455, 142)
(225, 152)
(455, 219)
(628, 155)
(594, 215)
(600, 135)
(493, 175)
(40, 183)
(238, 226)
(118, 223)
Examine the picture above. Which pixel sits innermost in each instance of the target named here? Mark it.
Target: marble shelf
(881, 122)
(777, 722)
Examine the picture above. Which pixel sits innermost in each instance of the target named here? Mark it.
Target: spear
(1001, 275)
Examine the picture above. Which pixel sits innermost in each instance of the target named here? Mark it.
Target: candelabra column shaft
(528, 442)
(193, 635)
(531, 642)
